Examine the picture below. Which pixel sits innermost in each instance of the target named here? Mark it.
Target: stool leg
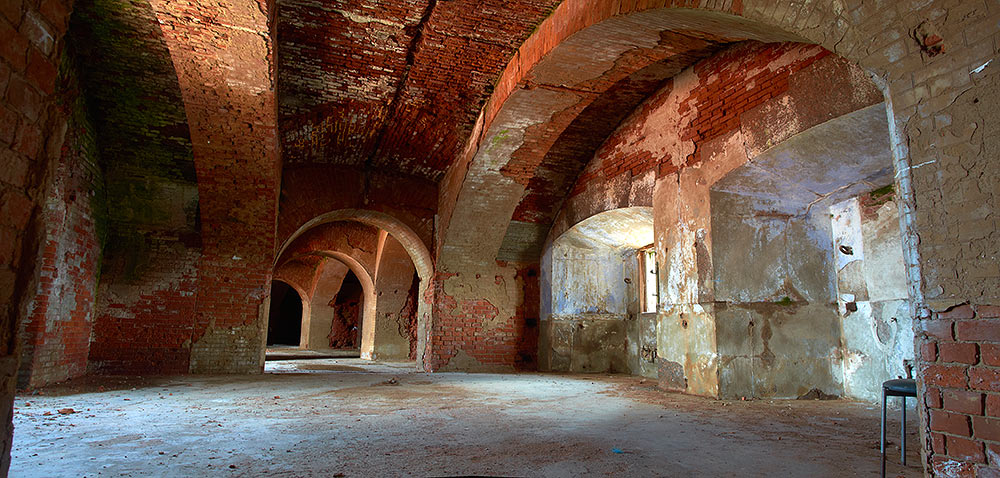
(902, 435)
(882, 434)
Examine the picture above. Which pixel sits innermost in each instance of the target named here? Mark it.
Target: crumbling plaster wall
(709, 120)
(871, 292)
(590, 318)
(586, 328)
(395, 314)
(778, 331)
(537, 97)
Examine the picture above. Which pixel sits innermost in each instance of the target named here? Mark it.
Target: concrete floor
(348, 417)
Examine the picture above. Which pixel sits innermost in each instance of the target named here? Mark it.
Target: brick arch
(530, 107)
(355, 239)
(303, 297)
(582, 53)
(294, 284)
(418, 251)
(410, 241)
(367, 291)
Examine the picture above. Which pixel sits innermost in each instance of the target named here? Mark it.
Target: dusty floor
(347, 417)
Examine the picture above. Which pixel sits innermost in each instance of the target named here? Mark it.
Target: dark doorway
(284, 324)
(346, 330)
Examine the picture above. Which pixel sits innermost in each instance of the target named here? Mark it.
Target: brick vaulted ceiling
(394, 85)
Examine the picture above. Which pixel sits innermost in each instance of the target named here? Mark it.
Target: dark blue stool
(900, 387)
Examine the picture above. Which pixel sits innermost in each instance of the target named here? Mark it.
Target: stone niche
(591, 320)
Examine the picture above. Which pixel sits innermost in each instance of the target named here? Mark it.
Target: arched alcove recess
(539, 128)
(681, 141)
(299, 273)
(590, 314)
(411, 243)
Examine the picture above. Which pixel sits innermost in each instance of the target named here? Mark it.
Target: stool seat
(900, 387)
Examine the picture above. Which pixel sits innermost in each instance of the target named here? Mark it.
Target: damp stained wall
(590, 320)
(778, 324)
(871, 292)
(778, 332)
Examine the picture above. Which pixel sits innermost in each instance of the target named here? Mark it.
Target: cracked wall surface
(431, 133)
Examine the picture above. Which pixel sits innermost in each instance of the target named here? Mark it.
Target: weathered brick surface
(394, 84)
(493, 338)
(970, 386)
(357, 240)
(152, 242)
(454, 76)
(55, 335)
(31, 138)
(943, 101)
(307, 192)
(223, 53)
(727, 86)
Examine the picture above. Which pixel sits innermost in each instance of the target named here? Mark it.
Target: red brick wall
(959, 356)
(223, 56)
(31, 136)
(144, 319)
(728, 85)
(306, 192)
(476, 327)
(55, 335)
(152, 241)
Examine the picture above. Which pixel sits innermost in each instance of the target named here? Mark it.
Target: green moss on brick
(139, 128)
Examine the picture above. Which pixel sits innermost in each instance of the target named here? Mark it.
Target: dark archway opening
(345, 333)
(284, 325)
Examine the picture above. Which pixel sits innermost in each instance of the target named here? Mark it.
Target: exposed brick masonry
(476, 328)
(729, 84)
(31, 137)
(960, 362)
(56, 332)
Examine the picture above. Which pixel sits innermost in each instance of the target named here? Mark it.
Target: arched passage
(284, 323)
(321, 325)
(548, 94)
(345, 332)
(409, 242)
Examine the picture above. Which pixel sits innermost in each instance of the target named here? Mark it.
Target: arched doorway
(391, 266)
(284, 323)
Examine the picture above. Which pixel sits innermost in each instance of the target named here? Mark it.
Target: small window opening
(647, 279)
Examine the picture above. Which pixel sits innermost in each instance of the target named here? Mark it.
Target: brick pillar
(223, 56)
(31, 135)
